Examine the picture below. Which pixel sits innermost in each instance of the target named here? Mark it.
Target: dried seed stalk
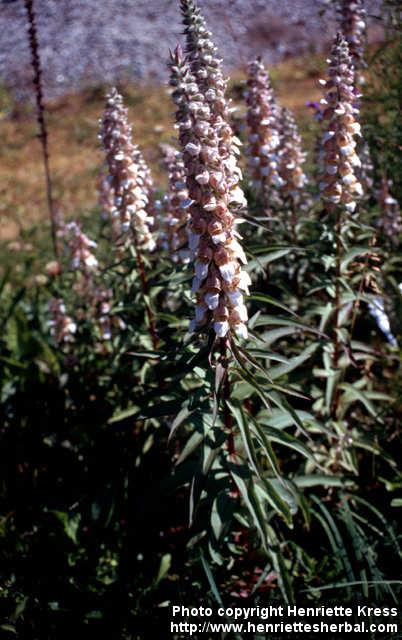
(40, 114)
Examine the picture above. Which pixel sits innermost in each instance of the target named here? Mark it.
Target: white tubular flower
(337, 158)
(79, 248)
(390, 220)
(209, 80)
(263, 127)
(377, 310)
(212, 237)
(353, 26)
(105, 197)
(94, 298)
(129, 174)
(62, 326)
(291, 157)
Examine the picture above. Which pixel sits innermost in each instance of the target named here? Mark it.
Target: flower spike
(219, 282)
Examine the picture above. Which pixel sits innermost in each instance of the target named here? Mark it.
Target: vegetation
(203, 404)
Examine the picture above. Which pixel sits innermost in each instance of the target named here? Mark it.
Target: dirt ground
(75, 155)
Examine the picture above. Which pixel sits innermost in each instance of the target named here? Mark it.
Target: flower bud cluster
(101, 311)
(173, 231)
(105, 197)
(263, 126)
(129, 175)
(212, 182)
(390, 213)
(206, 68)
(79, 247)
(62, 326)
(353, 27)
(95, 298)
(291, 157)
(108, 210)
(338, 159)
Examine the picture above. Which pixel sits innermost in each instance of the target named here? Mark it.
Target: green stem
(145, 290)
(336, 341)
(226, 390)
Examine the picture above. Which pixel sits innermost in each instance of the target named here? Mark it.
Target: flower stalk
(40, 114)
(291, 160)
(339, 163)
(174, 218)
(210, 151)
(353, 26)
(219, 282)
(263, 132)
(94, 296)
(131, 185)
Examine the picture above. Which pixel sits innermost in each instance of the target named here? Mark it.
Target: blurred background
(86, 45)
(86, 41)
(94, 533)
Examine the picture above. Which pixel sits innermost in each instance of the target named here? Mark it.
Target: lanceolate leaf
(242, 422)
(283, 369)
(246, 488)
(263, 297)
(284, 438)
(267, 492)
(353, 394)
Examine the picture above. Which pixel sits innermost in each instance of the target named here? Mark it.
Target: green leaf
(181, 417)
(276, 334)
(8, 627)
(331, 387)
(312, 480)
(191, 445)
(267, 448)
(282, 369)
(290, 442)
(283, 575)
(268, 493)
(70, 524)
(281, 419)
(262, 261)
(334, 537)
(123, 415)
(353, 394)
(211, 580)
(242, 422)
(263, 297)
(164, 567)
(246, 488)
(221, 514)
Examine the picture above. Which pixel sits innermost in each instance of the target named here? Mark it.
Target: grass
(75, 155)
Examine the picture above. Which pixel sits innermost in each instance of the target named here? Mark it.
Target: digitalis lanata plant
(226, 440)
(263, 131)
(352, 17)
(206, 68)
(291, 158)
(219, 282)
(338, 158)
(131, 184)
(92, 299)
(346, 278)
(129, 176)
(62, 326)
(292, 191)
(172, 233)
